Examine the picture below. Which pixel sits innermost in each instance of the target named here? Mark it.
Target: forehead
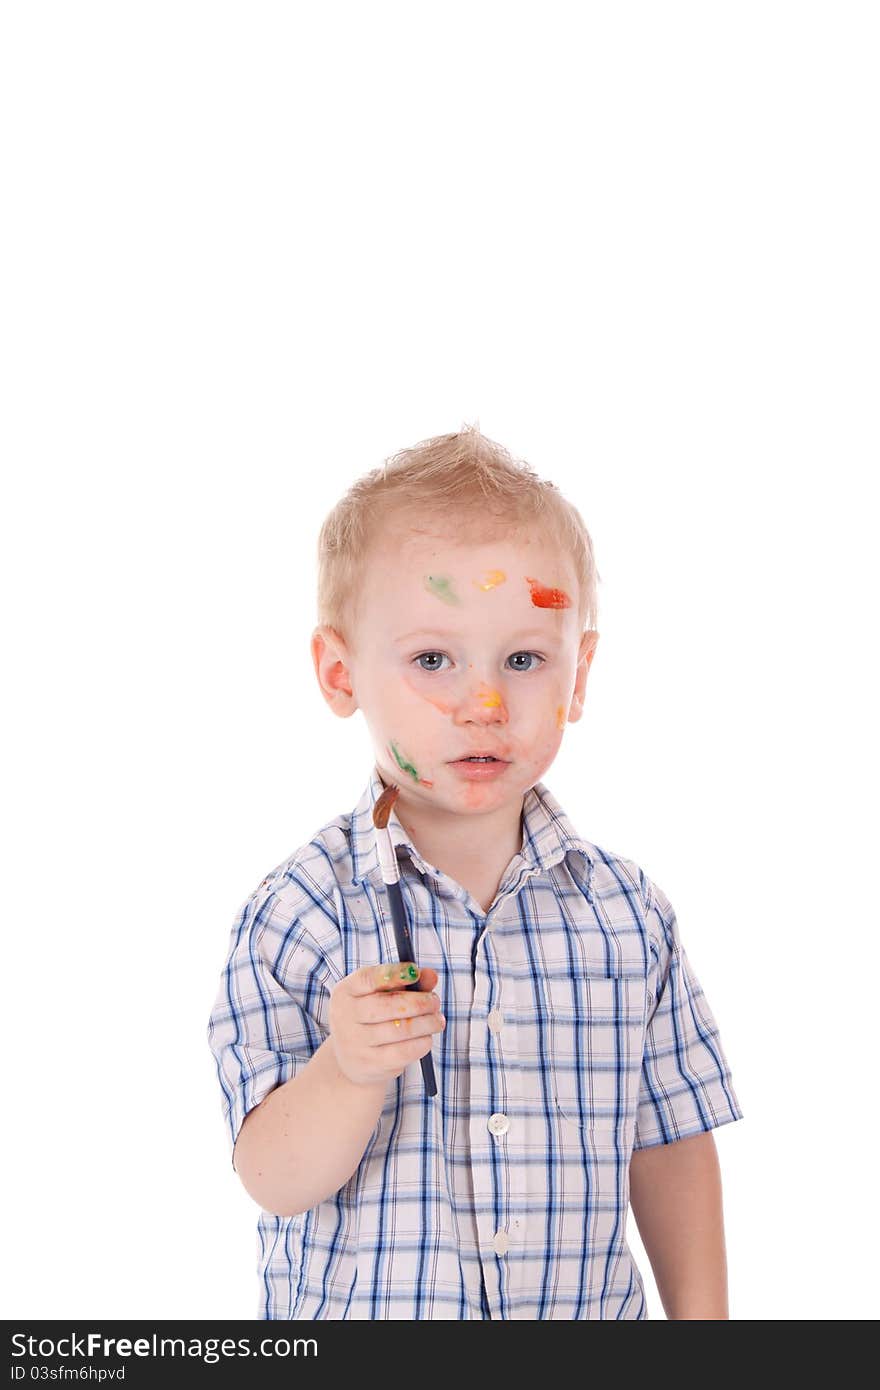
(416, 580)
(409, 551)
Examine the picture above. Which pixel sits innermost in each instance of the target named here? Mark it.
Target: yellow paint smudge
(491, 579)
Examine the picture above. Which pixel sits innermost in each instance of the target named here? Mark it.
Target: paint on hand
(440, 586)
(560, 716)
(542, 597)
(408, 767)
(491, 579)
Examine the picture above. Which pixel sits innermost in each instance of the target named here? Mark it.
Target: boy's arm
(675, 1194)
(305, 1139)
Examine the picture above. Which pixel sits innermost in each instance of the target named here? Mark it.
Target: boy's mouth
(479, 767)
(479, 758)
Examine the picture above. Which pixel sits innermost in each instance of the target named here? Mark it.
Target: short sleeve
(270, 1013)
(685, 1085)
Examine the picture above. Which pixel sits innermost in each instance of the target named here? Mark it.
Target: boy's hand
(378, 1027)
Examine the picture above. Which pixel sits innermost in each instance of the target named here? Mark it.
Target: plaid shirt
(576, 1032)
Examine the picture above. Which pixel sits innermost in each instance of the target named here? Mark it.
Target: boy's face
(461, 648)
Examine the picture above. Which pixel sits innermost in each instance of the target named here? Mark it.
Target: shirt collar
(548, 834)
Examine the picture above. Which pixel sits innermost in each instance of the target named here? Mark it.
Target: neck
(465, 846)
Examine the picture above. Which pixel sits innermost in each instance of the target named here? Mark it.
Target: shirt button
(498, 1123)
(500, 1242)
(495, 1020)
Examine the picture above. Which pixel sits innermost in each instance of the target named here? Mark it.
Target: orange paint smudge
(544, 597)
(442, 705)
(560, 717)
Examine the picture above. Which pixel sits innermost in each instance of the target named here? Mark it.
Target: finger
(427, 980)
(400, 1005)
(390, 975)
(400, 1029)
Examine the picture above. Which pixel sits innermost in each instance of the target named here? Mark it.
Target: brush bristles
(384, 805)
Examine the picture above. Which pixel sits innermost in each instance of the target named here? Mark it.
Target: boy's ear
(586, 652)
(332, 668)
(589, 643)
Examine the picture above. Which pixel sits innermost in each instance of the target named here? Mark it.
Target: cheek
(443, 706)
(553, 719)
(552, 725)
(424, 697)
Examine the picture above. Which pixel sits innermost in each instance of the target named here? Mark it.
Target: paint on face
(491, 579)
(542, 597)
(440, 586)
(560, 716)
(443, 706)
(491, 699)
(408, 767)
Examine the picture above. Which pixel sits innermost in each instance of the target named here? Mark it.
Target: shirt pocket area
(596, 1037)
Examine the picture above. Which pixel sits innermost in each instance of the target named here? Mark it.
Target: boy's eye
(430, 656)
(526, 668)
(438, 656)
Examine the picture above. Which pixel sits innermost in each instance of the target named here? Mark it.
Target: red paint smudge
(542, 597)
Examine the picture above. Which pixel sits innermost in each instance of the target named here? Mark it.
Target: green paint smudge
(439, 586)
(404, 766)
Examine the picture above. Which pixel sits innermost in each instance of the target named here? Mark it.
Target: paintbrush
(391, 878)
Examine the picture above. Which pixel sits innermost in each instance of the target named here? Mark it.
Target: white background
(250, 251)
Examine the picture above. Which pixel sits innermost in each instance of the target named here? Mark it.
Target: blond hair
(464, 479)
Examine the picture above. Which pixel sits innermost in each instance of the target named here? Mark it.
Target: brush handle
(405, 952)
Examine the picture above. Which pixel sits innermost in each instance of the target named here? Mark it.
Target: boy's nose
(482, 704)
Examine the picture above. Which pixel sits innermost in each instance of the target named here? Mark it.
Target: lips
(479, 753)
(473, 771)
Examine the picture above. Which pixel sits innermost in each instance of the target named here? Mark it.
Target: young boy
(578, 1064)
